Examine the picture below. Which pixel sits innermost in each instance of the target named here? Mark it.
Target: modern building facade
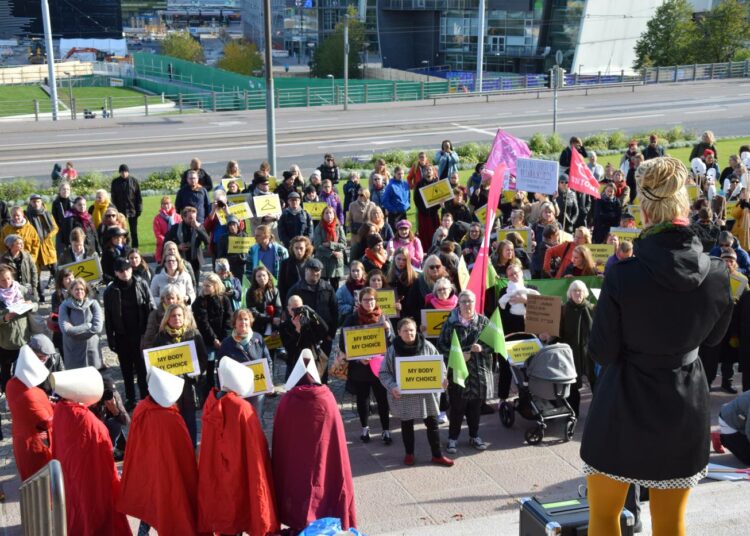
(85, 19)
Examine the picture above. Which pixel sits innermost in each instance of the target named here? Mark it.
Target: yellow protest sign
(463, 273)
(601, 253)
(433, 320)
(241, 210)
(625, 233)
(236, 198)
(525, 234)
(420, 374)
(89, 269)
(263, 379)
(363, 342)
(738, 284)
(177, 359)
(635, 211)
(436, 193)
(481, 214)
(387, 301)
(520, 351)
(273, 182)
(692, 191)
(221, 216)
(238, 181)
(730, 208)
(273, 341)
(240, 244)
(267, 205)
(315, 209)
(509, 196)
(636, 201)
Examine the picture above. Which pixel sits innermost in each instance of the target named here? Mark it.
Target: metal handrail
(520, 91)
(43, 502)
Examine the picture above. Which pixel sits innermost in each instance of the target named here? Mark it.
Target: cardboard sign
(508, 195)
(241, 210)
(543, 314)
(731, 205)
(520, 351)
(89, 269)
(221, 216)
(273, 341)
(225, 183)
(240, 244)
(420, 374)
(693, 192)
(433, 320)
(601, 253)
(273, 182)
(534, 175)
(387, 301)
(525, 234)
(236, 198)
(315, 209)
(625, 233)
(364, 342)
(436, 193)
(177, 359)
(263, 379)
(267, 205)
(738, 283)
(463, 273)
(481, 214)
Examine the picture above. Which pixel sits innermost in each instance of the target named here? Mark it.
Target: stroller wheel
(570, 429)
(507, 414)
(534, 435)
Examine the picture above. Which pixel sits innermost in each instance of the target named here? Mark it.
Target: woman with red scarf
(376, 256)
(362, 376)
(163, 221)
(346, 295)
(329, 240)
(78, 216)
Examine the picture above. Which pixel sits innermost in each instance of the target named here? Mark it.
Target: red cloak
(81, 444)
(160, 476)
(235, 486)
(310, 459)
(31, 411)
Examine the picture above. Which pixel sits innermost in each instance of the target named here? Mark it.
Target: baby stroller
(543, 383)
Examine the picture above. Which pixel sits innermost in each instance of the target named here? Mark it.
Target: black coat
(321, 298)
(291, 225)
(290, 271)
(650, 417)
(607, 213)
(126, 196)
(213, 317)
(113, 320)
(260, 308)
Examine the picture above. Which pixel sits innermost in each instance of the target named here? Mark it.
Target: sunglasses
(435, 267)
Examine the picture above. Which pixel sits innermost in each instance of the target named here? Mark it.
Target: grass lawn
(15, 100)
(93, 97)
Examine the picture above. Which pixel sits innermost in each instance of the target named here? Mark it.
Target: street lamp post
(70, 93)
(333, 88)
(270, 104)
(52, 84)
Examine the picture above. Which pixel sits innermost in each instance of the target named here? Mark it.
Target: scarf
(175, 334)
(41, 221)
(437, 303)
(18, 225)
(663, 227)
(168, 216)
(330, 229)
(377, 260)
(619, 189)
(193, 239)
(244, 341)
(12, 294)
(355, 285)
(83, 217)
(373, 317)
(466, 323)
(405, 350)
(97, 211)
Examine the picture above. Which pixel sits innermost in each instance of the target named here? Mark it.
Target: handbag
(321, 360)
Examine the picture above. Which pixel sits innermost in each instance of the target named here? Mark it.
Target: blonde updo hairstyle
(661, 187)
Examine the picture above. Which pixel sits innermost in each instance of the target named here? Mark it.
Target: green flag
(245, 286)
(457, 362)
(491, 275)
(493, 334)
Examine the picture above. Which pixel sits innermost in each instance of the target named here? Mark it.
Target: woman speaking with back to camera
(649, 421)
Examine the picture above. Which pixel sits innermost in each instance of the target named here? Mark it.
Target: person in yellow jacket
(20, 225)
(46, 228)
(741, 214)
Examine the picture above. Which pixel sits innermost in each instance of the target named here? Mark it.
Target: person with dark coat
(302, 329)
(78, 217)
(193, 195)
(60, 205)
(203, 177)
(213, 312)
(127, 305)
(428, 219)
(654, 311)
(262, 299)
(708, 141)
(191, 239)
(329, 170)
(653, 149)
(126, 196)
(734, 427)
(236, 260)
(575, 326)
(607, 213)
(286, 188)
(568, 204)
(728, 240)
(114, 246)
(564, 160)
(707, 231)
(294, 221)
(292, 269)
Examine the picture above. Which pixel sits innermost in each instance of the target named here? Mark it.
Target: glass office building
(86, 19)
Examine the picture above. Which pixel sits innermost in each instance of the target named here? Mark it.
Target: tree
(723, 32)
(669, 38)
(240, 57)
(182, 45)
(329, 56)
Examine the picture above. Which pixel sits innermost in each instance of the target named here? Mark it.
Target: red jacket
(161, 227)
(32, 426)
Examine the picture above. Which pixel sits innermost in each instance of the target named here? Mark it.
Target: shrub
(617, 140)
(163, 180)
(538, 144)
(596, 142)
(555, 143)
(675, 134)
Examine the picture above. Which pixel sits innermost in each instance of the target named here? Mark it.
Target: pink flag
(580, 177)
(478, 279)
(506, 149)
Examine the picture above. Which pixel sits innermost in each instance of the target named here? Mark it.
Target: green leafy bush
(617, 140)
(163, 180)
(555, 143)
(597, 142)
(538, 144)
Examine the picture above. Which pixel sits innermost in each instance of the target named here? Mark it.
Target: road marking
(319, 120)
(227, 123)
(472, 129)
(705, 109)
(383, 142)
(599, 120)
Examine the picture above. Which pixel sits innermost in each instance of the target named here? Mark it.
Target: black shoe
(365, 438)
(727, 387)
(487, 409)
(387, 438)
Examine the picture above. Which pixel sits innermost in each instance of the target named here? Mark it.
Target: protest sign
(520, 351)
(315, 209)
(508, 196)
(225, 183)
(534, 175)
(241, 210)
(236, 198)
(481, 213)
(89, 269)
(731, 205)
(625, 233)
(692, 191)
(240, 244)
(363, 342)
(738, 283)
(273, 341)
(273, 182)
(436, 193)
(543, 314)
(525, 234)
(420, 374)
(262, 373)
(601, 253)
(433, 320)
(267, 205)
(178, 359)
(387, 301)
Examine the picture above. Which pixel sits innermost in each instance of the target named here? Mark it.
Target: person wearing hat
(405, 239)
(310, 194)
(46, 352)
(114, 247)
(298, 458)
(31, 412)
(375, 256)
(235, 486)
(126, 196)
(19, 225)
(286, 187)
(294, 220)
(127, 306)
(328, 169)
(26, 271)
(81, 444)
(46, 228)
(193, 195)
(261, 186)
(160, 474)
(235, 229)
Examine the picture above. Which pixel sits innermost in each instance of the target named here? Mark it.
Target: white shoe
(442, 418)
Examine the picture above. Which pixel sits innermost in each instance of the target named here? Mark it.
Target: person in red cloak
(82, 446)
(235, 486)
(310, 460)
(160, 476)
(31, 411)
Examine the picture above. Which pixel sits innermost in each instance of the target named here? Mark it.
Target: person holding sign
(428, 219)
(178, 325)
(466, 401)
(654, 312)
(235, 230)
(346, 295)
(27, 274)
(363, 374)
(329, 240)
(81, 321)
(409, 407)
(191, 238)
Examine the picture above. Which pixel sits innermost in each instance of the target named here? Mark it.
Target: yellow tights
(607, 498)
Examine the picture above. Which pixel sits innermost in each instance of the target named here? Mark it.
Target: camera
(221, 203)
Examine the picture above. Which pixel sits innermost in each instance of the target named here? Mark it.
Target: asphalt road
(303, 135)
